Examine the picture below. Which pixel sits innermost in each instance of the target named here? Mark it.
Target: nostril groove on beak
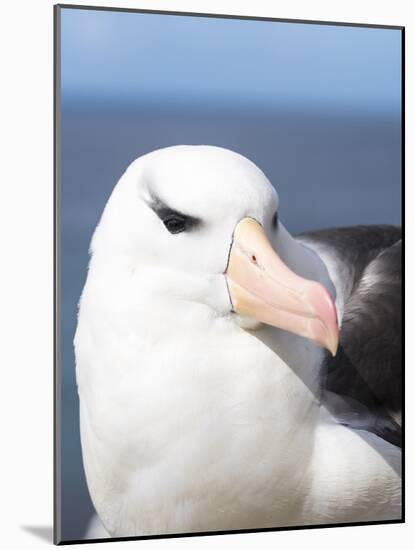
(254, 258)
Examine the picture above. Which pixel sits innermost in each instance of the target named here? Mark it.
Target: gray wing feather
(368, 366)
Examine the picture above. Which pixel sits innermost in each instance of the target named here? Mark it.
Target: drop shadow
(43, 532)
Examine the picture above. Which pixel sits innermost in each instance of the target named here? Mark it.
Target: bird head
(202, 217)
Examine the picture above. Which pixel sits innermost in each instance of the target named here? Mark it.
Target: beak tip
(333, 347)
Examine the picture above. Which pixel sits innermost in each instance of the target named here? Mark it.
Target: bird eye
(275, 220)
(174, 223)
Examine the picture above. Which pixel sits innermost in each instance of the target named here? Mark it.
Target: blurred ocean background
(316, 107)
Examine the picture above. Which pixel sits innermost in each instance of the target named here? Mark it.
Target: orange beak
(263, 287)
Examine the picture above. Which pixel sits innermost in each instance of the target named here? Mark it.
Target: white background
(26, 254)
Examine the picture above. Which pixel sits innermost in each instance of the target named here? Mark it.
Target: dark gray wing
(367, 369)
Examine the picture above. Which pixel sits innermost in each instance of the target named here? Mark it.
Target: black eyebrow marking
(163, 211)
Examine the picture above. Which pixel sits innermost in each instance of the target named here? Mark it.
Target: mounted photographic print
(228, 274)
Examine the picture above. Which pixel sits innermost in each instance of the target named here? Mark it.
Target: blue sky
(133, 58)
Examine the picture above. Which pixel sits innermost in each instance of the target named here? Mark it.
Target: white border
(26, 260)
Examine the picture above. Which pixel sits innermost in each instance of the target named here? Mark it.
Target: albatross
(206, 349)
